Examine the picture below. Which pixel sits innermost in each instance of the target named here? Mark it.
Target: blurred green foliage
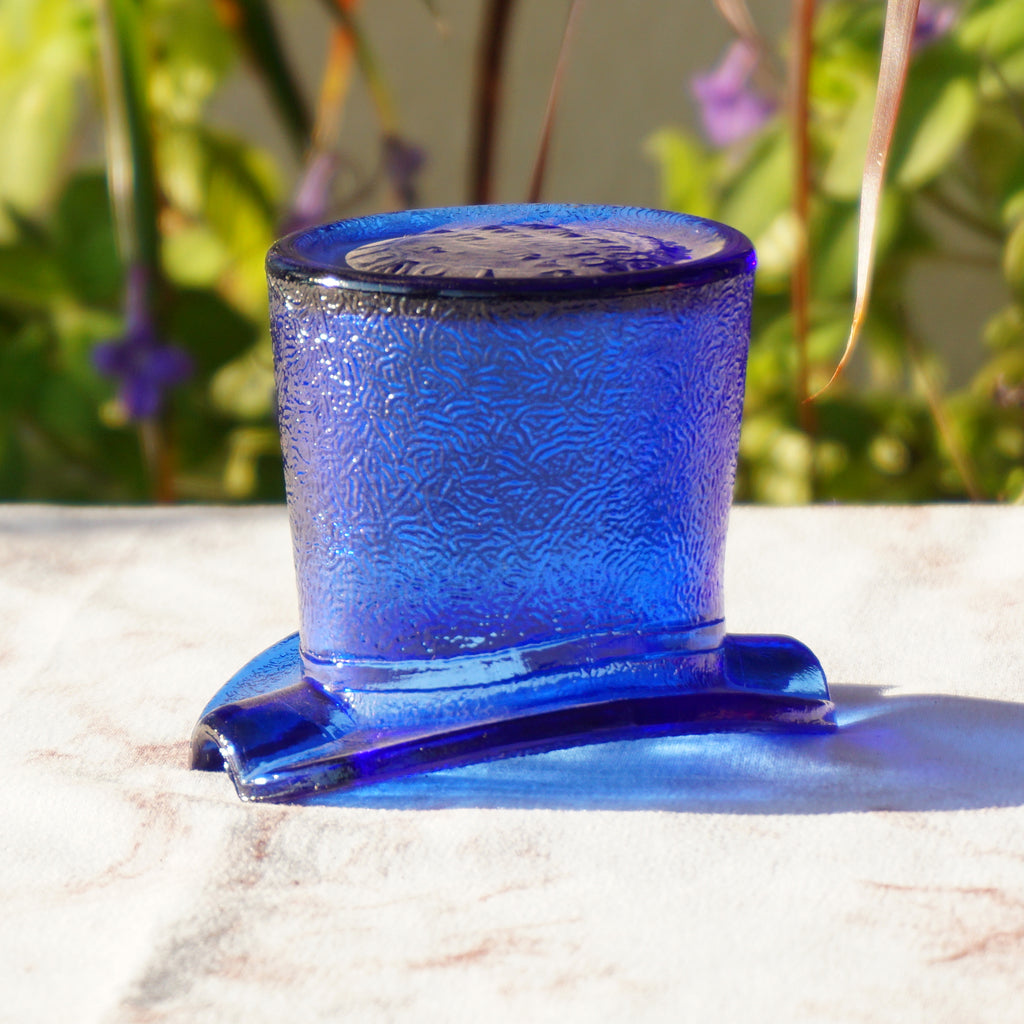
(63, 434)
(68, 225)
(887, 432)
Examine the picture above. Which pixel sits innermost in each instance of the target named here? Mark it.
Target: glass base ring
(281, 735)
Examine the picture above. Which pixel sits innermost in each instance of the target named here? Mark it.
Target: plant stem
(966, 259)
(253, 24)
(334, 88)
(133, 196)
(159, 460)
(737, 15)
(311, 198)
(490, 64)
(540, 164)
(953, 208)
(800, 292)
(937, 407)
(130, 174)
(380, 95)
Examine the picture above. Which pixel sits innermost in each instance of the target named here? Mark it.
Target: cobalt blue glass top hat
(510, 438)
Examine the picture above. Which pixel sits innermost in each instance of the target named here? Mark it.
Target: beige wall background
(628, 75)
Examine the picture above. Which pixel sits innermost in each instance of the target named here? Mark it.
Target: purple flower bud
(731, 107)
(933, 21)
(313, 196)
(402, 162)
(144, 367)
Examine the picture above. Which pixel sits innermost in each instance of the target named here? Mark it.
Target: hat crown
(472, 473)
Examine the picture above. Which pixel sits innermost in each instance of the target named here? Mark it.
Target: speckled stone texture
(468, 474)
(874, 876)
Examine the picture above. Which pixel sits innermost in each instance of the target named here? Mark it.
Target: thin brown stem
(964, 259)
(544, 147)
(897, 42)
(334, 88)
(489, 81)
(937, 407)
(343, 11)
(312, 195)
(955, 209)
(159, 460)
(737, 15)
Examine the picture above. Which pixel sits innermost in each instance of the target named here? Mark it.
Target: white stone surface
(876, 875)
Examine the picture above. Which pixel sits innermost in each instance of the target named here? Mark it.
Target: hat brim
(281, 736)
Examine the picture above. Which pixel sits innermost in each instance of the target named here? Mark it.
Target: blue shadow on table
(900, 753)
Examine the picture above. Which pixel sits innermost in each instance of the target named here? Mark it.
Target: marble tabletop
(876, 874)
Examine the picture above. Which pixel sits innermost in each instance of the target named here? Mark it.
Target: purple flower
(313, 196)
(933, 21)
(144, 366)
(731, 107)
(402, 162)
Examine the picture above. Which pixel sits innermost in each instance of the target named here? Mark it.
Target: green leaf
(1005, 330)
(193, 256)
(43, 57)
(209, 328)
(995, 32)
(992, 28)
(246, 446)
(77, 331)
(939, 111)
(124, 62)
(1013, 259)
(24, 363)
(66, 409)
(230, 187)
(761, 188)
(940, 105)
(220, 180)
(30, 277)
(1013, 208)
(192, 53)
(996, 154)
(84, 237)
(244, 388)
(842, 177)
(685, 167)
(849, 31)
(777, 248)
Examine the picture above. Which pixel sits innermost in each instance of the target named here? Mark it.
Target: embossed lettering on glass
(510, 438)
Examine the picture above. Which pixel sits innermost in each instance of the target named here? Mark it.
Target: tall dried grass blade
(900, 20)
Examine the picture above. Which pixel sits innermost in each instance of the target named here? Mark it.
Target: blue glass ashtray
(510, 438)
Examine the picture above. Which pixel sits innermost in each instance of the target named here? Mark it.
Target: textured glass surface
(469, 475)
(517, 250)
(510, 438)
